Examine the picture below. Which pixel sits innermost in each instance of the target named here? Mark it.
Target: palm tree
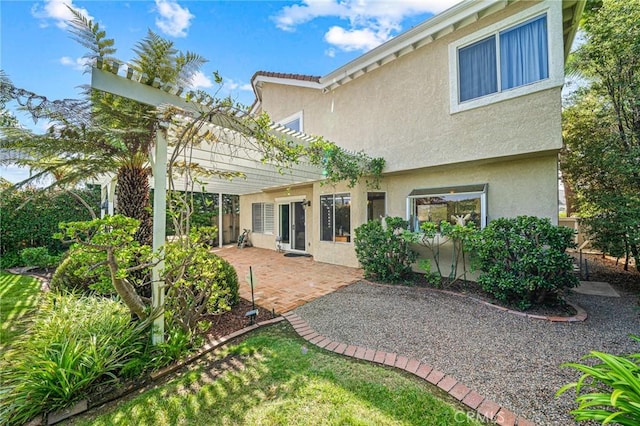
(134, 125)
(105, 132)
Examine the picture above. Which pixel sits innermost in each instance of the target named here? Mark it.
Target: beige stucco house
(465, 108)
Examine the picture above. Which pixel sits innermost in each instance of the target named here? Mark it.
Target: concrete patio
(284, 283)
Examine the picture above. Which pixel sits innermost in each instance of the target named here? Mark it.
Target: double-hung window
(262, 218)
(505, 60)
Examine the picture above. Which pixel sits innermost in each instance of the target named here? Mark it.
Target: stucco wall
(401, 111)
(515, 187)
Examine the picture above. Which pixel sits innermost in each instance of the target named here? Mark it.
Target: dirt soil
(235, 319)
(610, 270)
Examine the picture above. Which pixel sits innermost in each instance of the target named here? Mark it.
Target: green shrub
(524, 260)
(77, 274)
(382, 251)
(9, 260)
(613, 389)
(38, 257)
(74, 345)
(31, 216)
(199, 283)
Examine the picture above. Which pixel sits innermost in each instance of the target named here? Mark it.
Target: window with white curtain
(262, 218)
(504, 60)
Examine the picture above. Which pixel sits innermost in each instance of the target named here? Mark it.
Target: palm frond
(90, 36)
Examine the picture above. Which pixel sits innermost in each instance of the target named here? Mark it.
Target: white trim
(286, 81)
(291, 199)
(297, 116)
(483, 202)
(553, 11)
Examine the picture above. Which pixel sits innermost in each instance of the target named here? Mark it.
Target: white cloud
(77, 64)
(230, 85)
(348, 40)
(174, 19)
(370, 22)
(330, 52)
(58, 11)
(201, 81)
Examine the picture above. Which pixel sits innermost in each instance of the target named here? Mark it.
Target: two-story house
(465, 108)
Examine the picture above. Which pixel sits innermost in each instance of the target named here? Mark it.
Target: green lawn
(271, 378)
(18, 298)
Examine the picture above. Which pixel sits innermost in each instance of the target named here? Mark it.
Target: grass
(272, 378)
(18, 298)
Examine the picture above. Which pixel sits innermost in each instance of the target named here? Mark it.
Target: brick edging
(580, 316)
(479, 404)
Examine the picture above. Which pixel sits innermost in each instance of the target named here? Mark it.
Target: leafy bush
(199, 283)
(31, 216)
(614, 389)
(109, 242)
(77, 274)
(524, 260)
(38, 257)
(74, 345)
(382, 251)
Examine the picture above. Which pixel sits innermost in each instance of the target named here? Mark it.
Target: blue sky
(237, 37)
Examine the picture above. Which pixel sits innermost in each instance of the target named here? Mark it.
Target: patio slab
(596, 288)
(284, 283)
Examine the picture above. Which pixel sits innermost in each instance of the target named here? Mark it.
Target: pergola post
(220, 221)
(159, 231)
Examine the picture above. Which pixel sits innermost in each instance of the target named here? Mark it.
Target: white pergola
(228, 151)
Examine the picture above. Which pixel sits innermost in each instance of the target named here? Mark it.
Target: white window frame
(297, 116)
(267, 219)
(555, 46)
(444, 191)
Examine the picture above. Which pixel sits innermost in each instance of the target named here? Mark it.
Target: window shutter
(269, 218)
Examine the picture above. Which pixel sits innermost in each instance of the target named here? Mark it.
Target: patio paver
(284, 283)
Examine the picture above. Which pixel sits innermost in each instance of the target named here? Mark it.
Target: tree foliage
(601, 161)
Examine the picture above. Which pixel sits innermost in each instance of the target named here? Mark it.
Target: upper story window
(505, 60)
(520, 55)
(294, 122)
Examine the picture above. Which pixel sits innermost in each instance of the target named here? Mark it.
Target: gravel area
(507, 358)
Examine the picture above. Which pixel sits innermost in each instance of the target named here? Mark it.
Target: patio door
(292, 226)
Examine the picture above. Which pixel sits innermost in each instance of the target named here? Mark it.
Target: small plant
(73, 345)
(610, 389)
(434, 236)
(382, 251)
(524, 260)
(38, 257)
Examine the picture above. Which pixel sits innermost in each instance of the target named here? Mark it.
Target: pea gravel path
(509, 359)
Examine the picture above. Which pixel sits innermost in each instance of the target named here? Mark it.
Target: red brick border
(476, 402)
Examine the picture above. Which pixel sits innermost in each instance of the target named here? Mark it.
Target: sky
(237, 38)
